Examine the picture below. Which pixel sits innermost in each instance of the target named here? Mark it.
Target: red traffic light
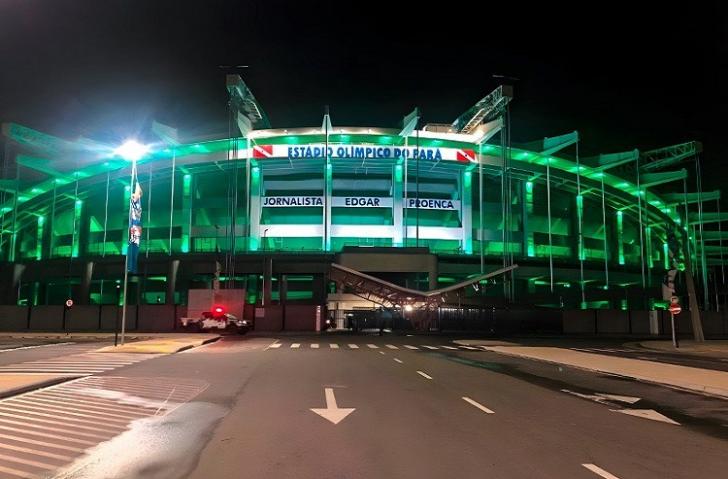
(218, 309)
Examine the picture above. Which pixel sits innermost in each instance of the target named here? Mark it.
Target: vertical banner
(135, 227)
(668, 283)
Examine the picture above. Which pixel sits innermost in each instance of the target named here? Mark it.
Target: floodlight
(131, 150)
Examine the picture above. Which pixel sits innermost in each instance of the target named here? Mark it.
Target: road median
(13, 384)
(705, 381)
(166, 345)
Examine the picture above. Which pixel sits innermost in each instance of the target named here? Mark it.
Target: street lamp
(265, 269)
(132, 151)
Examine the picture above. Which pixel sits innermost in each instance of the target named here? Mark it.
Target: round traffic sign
(675, 308)
(69, 303)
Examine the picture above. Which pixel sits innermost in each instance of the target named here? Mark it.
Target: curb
(704, 392)
(191, 346)
(32, 387)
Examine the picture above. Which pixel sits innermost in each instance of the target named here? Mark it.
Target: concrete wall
(13, 318)
(579, 322)
(83, 318)
(156, 317)
(612, 321)
(640, 322)
(46, 318)
(272, 320)
(300, 317)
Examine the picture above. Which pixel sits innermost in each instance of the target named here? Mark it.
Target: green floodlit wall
(53, 220)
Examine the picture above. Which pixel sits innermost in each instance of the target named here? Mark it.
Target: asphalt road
(252, 417)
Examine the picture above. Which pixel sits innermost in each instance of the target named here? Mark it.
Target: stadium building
(423, 206)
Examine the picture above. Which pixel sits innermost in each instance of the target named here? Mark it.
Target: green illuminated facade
(584, 231)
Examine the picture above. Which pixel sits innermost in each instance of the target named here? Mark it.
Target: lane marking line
(424, 375)
(35, 452)
(599, 471)
(353, 346)
(333, 346)
(398, 360)
(272, 345)
(17, 472)
(314, 346)
(478, 405)
(50, 436)
(391, 346)
(410, 347)
(32, 347)
(52, 445)
(372, 346)
(295, 345)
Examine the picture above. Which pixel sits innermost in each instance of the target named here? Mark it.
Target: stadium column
(466, 210)
(328, 187)
(186, 213)
(171, 281)
(397, 204)
(255, 187)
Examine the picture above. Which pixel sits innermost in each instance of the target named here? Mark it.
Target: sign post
(674, 309)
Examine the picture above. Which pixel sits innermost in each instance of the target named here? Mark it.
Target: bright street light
(131, 150)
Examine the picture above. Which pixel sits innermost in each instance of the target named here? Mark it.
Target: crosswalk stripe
(429, 347)
(333, 346)
(275, 345)
(391, 346)
(295, 345)
(373, 346)
(314, 345)
(410, 347)
(353, 346)
(448, 347)
(470, 348)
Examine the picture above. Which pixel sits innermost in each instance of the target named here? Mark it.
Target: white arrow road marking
(599, 471)
(424, 375)
(615, 397)
(332, 412)
(603, 398)
(647, 414)
(398, 360)
(478, 405)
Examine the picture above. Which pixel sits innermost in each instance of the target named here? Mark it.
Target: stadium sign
(363, 152)
(359, 202)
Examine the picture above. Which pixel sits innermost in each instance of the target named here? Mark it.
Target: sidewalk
(163, 345)
(14, 384)
(682, 377)
(713, 347)
(80, 336)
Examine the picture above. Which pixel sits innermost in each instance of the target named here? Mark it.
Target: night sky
(623, 74)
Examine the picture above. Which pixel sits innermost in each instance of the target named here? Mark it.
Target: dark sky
(624, 74)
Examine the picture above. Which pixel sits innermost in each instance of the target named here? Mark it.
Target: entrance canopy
(391, 295)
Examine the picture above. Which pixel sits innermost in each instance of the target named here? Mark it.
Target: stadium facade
(268, 210)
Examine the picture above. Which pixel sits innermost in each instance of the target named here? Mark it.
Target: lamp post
(131, 151)
(265, 269)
